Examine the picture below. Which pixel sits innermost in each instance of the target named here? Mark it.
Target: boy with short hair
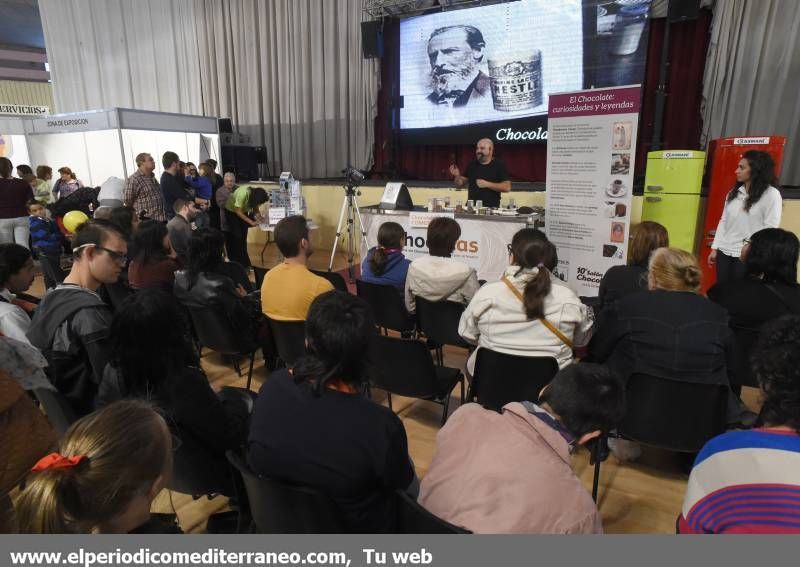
(47, 242)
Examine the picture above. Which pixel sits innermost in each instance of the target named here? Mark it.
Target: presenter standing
(753, 203)
(485, 176)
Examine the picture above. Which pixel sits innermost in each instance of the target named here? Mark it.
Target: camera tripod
(350, 206)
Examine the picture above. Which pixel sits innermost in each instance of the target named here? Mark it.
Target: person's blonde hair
(127, 446)
(675, 270)
(141, 158)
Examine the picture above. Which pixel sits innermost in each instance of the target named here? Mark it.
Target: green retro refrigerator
(672, 194)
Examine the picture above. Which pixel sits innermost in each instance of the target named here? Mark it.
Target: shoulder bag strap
(552, 328)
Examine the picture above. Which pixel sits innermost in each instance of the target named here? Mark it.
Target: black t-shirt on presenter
(495, 171)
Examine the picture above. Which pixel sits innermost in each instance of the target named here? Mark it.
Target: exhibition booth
(13, 144)
(99, 144)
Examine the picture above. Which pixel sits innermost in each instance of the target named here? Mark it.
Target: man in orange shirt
(289, 288)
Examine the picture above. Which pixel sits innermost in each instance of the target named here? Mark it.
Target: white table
(483, 242)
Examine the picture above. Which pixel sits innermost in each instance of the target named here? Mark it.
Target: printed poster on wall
(591, 149)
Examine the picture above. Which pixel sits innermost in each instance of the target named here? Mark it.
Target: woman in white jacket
(753, 204)
(524, 313)
(438, 276)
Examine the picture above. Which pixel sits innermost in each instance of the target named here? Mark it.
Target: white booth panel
(14, 147)
(209, 148)
(154, 143)
(59, 150)
(105, 159)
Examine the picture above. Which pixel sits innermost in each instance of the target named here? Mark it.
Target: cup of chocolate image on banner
(516, 80)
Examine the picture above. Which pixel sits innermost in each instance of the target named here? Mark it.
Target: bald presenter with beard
(485, 176)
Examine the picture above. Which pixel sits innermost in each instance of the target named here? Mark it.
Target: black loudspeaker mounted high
(225, 126)
(682, 10)
(371, 39)
(261, 154)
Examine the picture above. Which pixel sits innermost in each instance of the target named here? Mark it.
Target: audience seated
(16, 276)
(152, 358)
(620, 281)
(71, 324)
(512, 316)
(154, 261)
(747, 481)
(109, 467)
(209, 282)
(314, 427)
(385, 264)
(27, 436)
(669, 331)
(437, 276)
(770, 288)
(290, 287)
(510, 472)
(179, 228)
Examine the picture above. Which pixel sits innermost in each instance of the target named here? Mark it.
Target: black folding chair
(336, 280)
(59, 411)
(438, 321)
(281, 508)
(289, 338)
(412, 518)
(745, 339)
(502, 378)
(405, 367)
(670, 414)
(259, 272)
(387, 307)
(215, 331)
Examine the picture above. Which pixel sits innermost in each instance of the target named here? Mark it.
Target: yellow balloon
(73, 219)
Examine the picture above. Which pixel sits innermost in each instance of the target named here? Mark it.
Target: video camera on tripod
(347, 217)
(353, 176)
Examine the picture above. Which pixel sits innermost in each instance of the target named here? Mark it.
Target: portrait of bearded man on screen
(455, 54)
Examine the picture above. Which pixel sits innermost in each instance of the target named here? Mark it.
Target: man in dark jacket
(172, 185)
(216, 183)
(71, 324)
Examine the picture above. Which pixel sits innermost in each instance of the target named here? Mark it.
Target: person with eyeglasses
(71, 325)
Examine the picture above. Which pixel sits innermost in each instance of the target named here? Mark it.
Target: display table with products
(323, 201)
(484, 238)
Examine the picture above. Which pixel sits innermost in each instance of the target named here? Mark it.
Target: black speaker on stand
(262, 161)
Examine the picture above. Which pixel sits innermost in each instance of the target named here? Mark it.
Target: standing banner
(591, 148)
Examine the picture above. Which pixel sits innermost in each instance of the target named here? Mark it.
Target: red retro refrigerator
(723, 156)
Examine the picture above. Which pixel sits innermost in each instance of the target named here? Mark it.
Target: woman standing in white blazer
(754, 203)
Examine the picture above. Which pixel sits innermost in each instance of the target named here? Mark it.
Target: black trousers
(237, 249)
(729, 268)
(51, 268)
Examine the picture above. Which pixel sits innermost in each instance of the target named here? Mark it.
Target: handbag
(552, 328)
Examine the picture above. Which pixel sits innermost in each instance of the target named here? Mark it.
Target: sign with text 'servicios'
(590, 159)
